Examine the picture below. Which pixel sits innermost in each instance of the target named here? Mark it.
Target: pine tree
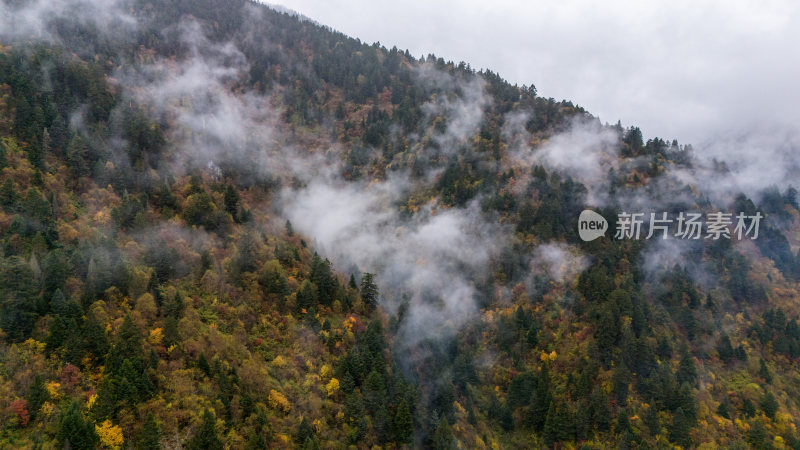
(601, 411)
(679, 431)
(150, 435)
(769, 404)
(18, 293)
(443, 436)
(37, 395)
(231, 201)
(9, 197)
(74, 431)
(352, 282)
(651, 420)
(757, 436)
(374, 391)
(687, 373)
(623, 423)
(561, 425)
(94, 336)
(748, 408)
(205, 437)
(621, 378)
(246, 254)
(256, 442)
(607, 331)
(306, 296)
(369, 290)
(202, 364)
(763, 372)
(305, 434)
(403, 424)
(58, 303)
(542, 398)
(583, 421)
(323, 278)
(382, 424)
(3, 158)
(78, 157)
(725, 349)
(724, 408)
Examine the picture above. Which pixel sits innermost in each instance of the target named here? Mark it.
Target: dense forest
(226, 226)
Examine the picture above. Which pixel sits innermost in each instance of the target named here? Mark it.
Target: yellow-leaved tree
(278, 401)
(110, 435)
(332, 387)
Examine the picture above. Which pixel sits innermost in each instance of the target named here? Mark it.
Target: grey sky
(689, 70)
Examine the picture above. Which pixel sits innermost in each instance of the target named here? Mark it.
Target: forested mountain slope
(224, 226)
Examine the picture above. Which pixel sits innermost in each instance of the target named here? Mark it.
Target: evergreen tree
(18, 298)
(725, 349)
(443, 436)
(542, 398)
(37, 395)
(202, 364)
(150, 435)
(687, 373)
(679, 431)
(374, 391)
(75, 431)
(231, 201)
(323, 278)
(94, 336)
(403, 424)
(769, 404)
(305, 436)
(763, 372)
(3, 158)
(246, 254)
(651, 420)
(382, 424)
(205, 437)
(9, 197)
(559, 425)
(352, 282)
(757, 436)
(306, 296)
(621, 378)
(601, 410)
(623, 423)
(78, 157)
(724, 408)
(748, 408)
(369, 290)
(583, 421)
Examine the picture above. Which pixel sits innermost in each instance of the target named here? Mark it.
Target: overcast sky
(690, 70)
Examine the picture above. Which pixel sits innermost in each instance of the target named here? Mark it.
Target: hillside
(224, 226)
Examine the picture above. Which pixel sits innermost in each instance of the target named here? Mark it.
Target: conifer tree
(75, 431)
(369, 290)
(205, 437)
(443, 436)
(150, 435)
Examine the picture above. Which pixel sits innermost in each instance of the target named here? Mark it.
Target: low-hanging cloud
(38, 19)
(460, 102)
(586, 151)
(432, 259)
(560, 261)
